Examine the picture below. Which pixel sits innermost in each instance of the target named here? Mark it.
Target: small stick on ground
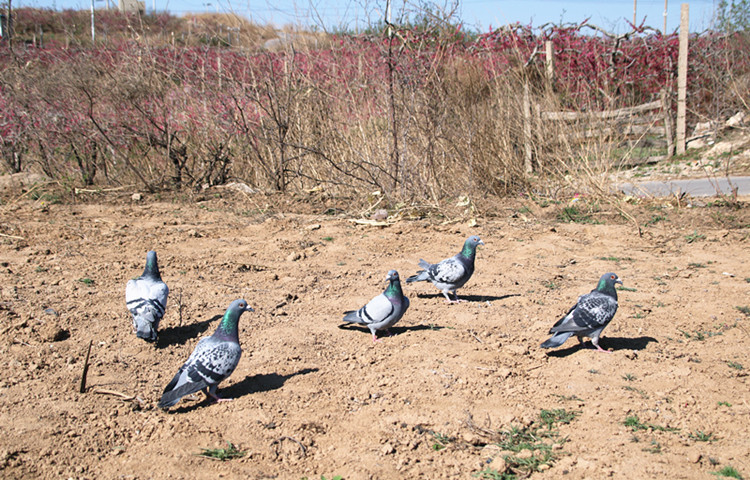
(115, 393)
(11, 236)
(85, 368)
(280, 439)
(179, 302)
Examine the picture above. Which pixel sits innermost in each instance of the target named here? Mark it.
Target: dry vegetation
(428, 115)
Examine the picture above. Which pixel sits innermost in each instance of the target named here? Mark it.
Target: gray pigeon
(589, 315)
(212, 361)
(383, 311)
(146, 298)
(452, 273)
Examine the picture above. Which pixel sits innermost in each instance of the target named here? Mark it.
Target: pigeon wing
(593, 311)
(449, 271)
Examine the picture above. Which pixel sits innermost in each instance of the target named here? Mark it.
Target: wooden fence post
(682, 78)
(527, 128)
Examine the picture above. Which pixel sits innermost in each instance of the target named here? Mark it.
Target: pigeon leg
(595, 342)
(375, 338)
(217, 398)
(448, 298)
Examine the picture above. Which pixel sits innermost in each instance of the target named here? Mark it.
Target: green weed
(539, 438)
(655, 447)
(744, 309)
(222, 453)
(492, 474)
(729, 472)
(694, 237)
(635, 424)
(573, 215)
(626, 289)
(441, 441)
(636, 390)
(735, 365)
(722, 403)
(616, 259)
(86, 281)
(655, 219)
(696, 265)
(629, 377)
(560, 415)
(701, 436)
(327, 239)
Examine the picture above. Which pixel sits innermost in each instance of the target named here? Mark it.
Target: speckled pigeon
(212, 361)
(383, 311)
(452, 273)
(589, 315)
(146, 298)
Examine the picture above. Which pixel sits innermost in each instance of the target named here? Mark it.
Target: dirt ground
(314, 399)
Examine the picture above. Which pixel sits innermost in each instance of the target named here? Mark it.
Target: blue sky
(611, 15)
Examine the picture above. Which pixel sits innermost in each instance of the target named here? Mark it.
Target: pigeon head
(607, 283)
(470, 246)
(394, 288)
(231, 319)
(152, 266)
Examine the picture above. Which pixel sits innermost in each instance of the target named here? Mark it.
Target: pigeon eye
(612, 277)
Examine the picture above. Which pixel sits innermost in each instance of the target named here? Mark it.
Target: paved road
(696, 187)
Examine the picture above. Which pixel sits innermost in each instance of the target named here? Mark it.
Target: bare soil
(314, 398)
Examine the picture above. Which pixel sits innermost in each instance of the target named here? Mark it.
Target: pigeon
(383, 311)
(452, 273)
(212, 361)
(146, 298)
(589, 315)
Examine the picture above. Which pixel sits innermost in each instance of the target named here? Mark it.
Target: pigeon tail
(145, 329)
(352, 317)
(557, 340)
(171, 397)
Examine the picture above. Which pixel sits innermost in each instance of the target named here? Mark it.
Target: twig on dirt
(371, 207)
(475, 337)
(280, 439)
(85, 368)
(180, 305)
(100, 190)
(534, 368)
(486, 432)
(11, 236)
(102, 391)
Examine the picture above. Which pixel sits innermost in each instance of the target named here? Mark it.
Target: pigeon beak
(249, 309)
(619, 281)
(480, 243)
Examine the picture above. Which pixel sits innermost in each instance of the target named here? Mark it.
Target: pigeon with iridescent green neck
(212, 361)
(452, 273)
(383, 311)
(146, 298)
(589, 315)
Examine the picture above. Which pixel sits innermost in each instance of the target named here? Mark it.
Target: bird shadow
(394, 330)
(181, 334)
(607, 343)
(263, 382)
(471, 298)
